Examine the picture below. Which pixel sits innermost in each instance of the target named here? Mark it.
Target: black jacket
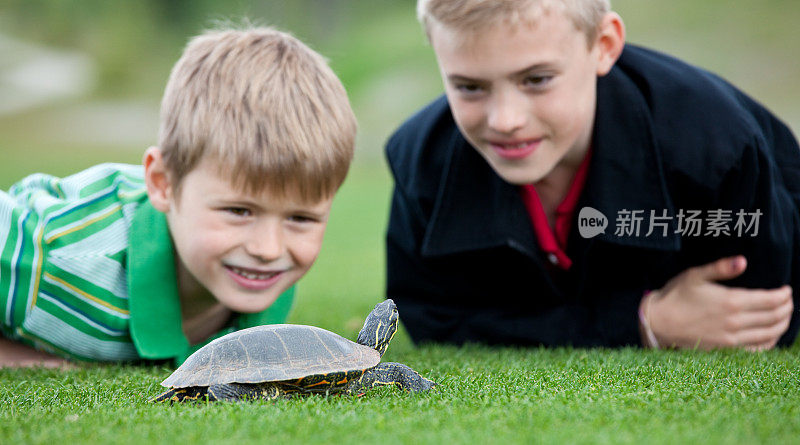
(463, 263)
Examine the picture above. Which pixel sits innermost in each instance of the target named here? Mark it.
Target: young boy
(570, 189)
(120, 262)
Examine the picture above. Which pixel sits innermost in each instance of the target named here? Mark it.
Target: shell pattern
(272, 353)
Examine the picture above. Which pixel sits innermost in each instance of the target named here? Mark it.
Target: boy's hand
(16, 355)
(693, 310)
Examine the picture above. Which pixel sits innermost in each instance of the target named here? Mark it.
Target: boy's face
(523, 96)
(244, 249)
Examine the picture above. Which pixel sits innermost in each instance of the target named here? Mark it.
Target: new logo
(591, 222)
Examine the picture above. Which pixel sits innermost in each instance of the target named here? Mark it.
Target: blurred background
(80, 83)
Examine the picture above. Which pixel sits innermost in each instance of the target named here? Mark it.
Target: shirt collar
(476, 209)
(152, 287)
(553, 240)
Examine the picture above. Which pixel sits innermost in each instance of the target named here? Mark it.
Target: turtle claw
(422, 385)
(418, 384)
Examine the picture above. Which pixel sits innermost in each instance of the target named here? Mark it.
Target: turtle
(283, 360)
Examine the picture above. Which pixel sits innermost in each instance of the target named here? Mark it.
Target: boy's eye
(468, 88)
(239, 211)
(537, 81)
(301, 219)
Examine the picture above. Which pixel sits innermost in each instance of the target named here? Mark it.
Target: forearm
(17, 355)
(694, 311)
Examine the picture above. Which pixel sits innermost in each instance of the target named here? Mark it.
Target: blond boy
(546, 199)
(121, 263)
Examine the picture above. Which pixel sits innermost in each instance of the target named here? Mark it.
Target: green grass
(484, 396)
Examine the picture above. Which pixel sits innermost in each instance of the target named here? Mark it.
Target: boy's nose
(507, 113)
(265, 242)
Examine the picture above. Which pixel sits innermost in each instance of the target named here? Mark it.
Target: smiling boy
(120, 262)
(548, 112)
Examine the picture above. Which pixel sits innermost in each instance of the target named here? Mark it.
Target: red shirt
(554, 242)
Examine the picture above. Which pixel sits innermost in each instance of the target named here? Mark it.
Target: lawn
(484, 395)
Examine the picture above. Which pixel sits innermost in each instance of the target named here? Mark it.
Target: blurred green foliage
(375, 46)
(379, 50)
(136, 42)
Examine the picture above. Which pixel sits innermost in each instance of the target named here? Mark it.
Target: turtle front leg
(235, 392)
(181, 394)
(390, 374)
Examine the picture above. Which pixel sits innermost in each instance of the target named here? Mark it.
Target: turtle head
(380, 326)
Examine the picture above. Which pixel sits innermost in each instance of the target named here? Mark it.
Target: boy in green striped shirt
(124, 263)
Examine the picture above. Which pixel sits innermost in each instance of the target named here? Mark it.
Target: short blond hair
(461, 15)
(265, 107)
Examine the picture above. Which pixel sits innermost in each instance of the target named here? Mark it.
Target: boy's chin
(518, 177)
(523, 173)
(252, 306)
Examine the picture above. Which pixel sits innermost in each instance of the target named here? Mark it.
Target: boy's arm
(694, 310)
(755, 310)
(17, 355)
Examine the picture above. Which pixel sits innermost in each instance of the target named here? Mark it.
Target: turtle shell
(272, 353)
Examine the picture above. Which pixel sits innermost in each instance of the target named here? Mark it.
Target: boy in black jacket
(570, 189)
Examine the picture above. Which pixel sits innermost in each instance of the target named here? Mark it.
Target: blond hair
(461, 15)
(266, 108)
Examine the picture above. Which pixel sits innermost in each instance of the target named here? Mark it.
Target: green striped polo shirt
(87, 270)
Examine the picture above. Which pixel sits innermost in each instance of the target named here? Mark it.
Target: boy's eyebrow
(523, 71)
(310, 212)
(310, 209)
(534, 67)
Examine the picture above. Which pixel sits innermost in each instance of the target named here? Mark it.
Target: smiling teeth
(515, 146)
(250, 275)
(519, 146)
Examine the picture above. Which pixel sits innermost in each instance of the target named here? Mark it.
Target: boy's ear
(610, 42)
(156, 179)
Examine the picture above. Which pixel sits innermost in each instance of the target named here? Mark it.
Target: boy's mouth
(515, 150)
(253, 279)
(252, 274)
